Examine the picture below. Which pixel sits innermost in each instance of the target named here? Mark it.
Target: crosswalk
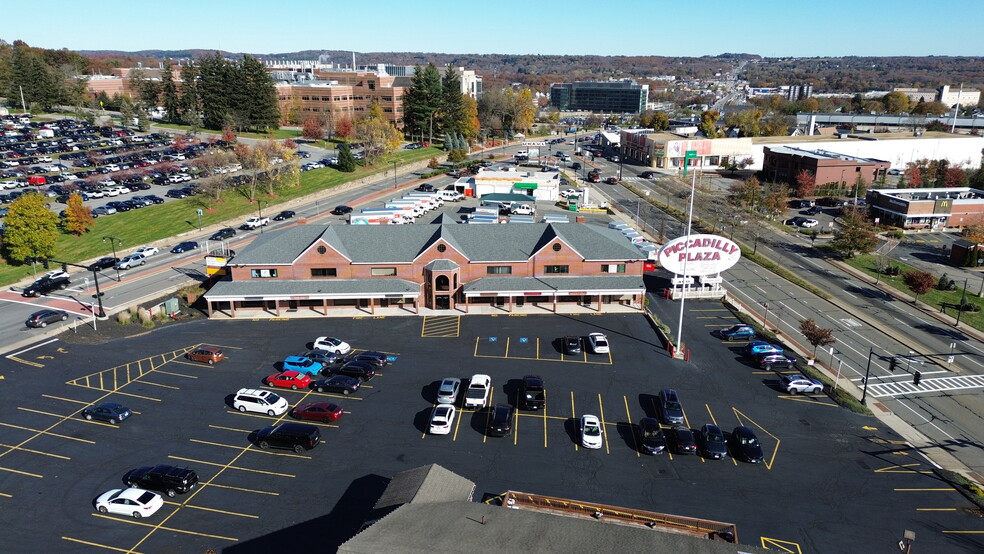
(940, 384)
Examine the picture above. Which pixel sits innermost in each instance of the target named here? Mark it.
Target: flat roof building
(626, 96)
(784, 163)
(931, 208)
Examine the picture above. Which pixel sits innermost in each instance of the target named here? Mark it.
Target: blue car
(737, 332)
(302, 364)
(756, 347)
(111, 412)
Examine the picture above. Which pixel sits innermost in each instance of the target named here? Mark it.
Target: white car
(523, 209)
(591, 432)
(147, 250)
(799, 384)
(441, 419)
(333, 345)
(447, 393)
(809, 223)
(260, 401)
(598, 343)
(55, 273)
(130, 502)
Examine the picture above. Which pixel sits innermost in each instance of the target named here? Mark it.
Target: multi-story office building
(626, 96)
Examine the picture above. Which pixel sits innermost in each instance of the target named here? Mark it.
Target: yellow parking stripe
(103, 546)
(605, 434)
(574, 417)
(19, 472)
(544, 418)
(488, 415)
(32, 451)
(161, 527)
(628, 417)
(211, 484)
(204, 509)
(49, 432)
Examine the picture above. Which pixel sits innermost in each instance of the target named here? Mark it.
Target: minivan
(292, 436)
(207, 354)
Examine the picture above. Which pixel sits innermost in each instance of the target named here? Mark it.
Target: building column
(600, 296)
(510, 303)
(277, 304)
(208, 307)
(232, 307)
(555, 302)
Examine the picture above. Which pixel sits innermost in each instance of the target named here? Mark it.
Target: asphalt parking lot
(831, 481)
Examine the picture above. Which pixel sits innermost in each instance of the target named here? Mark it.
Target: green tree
(856, 235)
(421, 102)
(929, 108)
(214, 91)
(748, 122)
(127, 112)
(190, 99)
(78, 217)
(452, 103)
(169, 95)
(661, 121)
(31, 229)
(346, 162)
(257, 94)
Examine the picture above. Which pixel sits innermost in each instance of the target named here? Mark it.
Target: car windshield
(601, 342)
(272, 398)
(673, 406)
(749, 441)
(714, 438)
(592, 431)
(652, 433)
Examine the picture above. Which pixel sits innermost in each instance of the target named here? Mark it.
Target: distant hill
(844, 74)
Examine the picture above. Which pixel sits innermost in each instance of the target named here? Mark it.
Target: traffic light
(891, 364)
(916, 377)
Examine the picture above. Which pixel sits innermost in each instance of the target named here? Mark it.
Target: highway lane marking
(903, 404)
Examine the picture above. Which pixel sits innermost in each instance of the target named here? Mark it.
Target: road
(862, 316)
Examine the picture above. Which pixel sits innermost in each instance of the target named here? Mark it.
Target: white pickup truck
(477, 395)
(255, 222)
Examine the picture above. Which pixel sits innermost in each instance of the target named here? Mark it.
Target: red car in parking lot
(324, 412)
(289, 380)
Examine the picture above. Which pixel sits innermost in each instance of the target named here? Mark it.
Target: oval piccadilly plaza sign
(699, 255)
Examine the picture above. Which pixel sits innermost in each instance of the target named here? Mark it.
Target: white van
(451, 195)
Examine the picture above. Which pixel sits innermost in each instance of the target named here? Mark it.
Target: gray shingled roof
(425, 484)
(476, 527)
(442, 265)
(396, 244)
(312, 287)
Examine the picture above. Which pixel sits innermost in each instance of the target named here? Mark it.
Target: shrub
(123, 317)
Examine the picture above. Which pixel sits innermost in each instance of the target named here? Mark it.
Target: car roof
(132, 493)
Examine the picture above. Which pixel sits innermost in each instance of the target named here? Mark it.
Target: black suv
(168, 479)
(362, 370)
(769, 360)
(293, 436)
(45, 285)
(531, 393)
(377, 359)
(223, 234)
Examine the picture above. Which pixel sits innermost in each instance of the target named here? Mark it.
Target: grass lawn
(276, 134)
(153, 223)
(934, 298)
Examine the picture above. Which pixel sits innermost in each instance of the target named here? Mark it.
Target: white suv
(131, 261)
(262, 401)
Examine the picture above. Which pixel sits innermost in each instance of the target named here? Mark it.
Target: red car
(289, 380)
(318, 411)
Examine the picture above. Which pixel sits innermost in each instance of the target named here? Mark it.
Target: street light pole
(867, 371)
(112, 243)
(963, 298)
(394, 174)
(259, 211)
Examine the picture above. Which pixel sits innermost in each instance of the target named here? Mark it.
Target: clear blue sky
(605, 27)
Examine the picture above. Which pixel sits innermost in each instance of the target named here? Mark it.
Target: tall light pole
(112, 242)
(686, 254)
(259, 211)
(963, 298)
(394, 174)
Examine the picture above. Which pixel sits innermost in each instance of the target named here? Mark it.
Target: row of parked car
(768, 356)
